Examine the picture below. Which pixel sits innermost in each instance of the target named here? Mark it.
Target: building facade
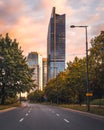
(34, 60)
(55, 45)
(44, 71)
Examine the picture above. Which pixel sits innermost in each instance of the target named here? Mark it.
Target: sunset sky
(27, 21)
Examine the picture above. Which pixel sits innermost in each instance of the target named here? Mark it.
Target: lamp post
(87, 74)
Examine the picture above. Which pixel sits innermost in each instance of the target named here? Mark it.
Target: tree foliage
(37, 96)
(17, 75)
(70, 86)
(96, 63)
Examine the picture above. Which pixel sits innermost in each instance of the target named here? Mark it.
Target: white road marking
(29, 111)
(27, 114)
(57, 115)
(21, 119)
(66, 120)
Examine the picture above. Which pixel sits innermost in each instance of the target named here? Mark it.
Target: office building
(34, 60)
(44, 71)
(55, 45)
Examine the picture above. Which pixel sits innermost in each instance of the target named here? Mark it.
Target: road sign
(89, 94)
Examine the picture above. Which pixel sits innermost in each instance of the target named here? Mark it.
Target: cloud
(27, 21)
(10, 11)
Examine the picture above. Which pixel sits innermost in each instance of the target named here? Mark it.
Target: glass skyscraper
(56, 45)
(34, 60)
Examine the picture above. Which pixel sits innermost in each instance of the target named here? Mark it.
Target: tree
(69, 86)
(37, 96)
(18, 76)
(96, 63)
(76, 80)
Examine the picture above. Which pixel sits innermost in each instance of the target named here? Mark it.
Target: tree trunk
(3, 95)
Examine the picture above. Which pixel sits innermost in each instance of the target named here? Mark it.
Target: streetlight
(87, 74)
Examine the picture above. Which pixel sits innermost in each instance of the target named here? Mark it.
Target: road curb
(8, 109)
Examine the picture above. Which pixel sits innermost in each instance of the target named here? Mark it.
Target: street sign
(89, 94)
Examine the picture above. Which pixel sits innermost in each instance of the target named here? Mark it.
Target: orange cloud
(28, 23)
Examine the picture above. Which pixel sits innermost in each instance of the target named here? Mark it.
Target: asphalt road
(43, 117)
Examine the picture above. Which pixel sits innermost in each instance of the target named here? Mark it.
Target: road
(43, 117)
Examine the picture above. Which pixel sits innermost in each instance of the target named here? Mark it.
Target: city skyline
(27, 21)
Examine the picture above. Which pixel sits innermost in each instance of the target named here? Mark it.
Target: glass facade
(34, 60)
(56, 44)
(44, 71)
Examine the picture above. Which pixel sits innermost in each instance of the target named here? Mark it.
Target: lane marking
(27, 114)
(21, 119)
(66, 120)
(57, 115)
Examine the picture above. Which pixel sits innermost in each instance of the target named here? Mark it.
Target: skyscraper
(34, 60)
(56, 45)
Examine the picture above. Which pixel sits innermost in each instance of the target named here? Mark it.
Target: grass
(2, 107)
(95, 110)
(75, 107)
(98, 110)
(97, 102)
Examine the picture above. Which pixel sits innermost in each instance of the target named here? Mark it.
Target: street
(44, 117)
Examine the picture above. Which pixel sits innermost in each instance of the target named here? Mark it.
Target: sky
(28, 20)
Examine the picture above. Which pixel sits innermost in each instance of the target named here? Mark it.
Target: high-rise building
(34, 60)
(56, 45)
(44, 71)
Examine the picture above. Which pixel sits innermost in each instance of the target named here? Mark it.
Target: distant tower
(34, 60)
(44, 71)
(56, 45)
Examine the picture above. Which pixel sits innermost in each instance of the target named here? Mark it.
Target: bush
(10, 100)
(36, 96)
(97, 102)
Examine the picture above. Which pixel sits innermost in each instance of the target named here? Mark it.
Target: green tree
(17, 75)
(51, 90)
(96, 63)
(69, 86)
(76, 80)
(37, 96)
